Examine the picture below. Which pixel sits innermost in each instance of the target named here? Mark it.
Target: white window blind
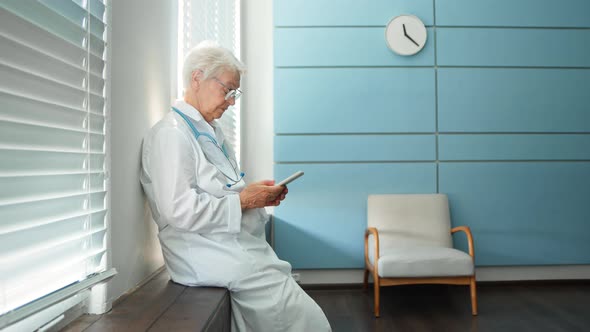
(217, 20)
(52, 146)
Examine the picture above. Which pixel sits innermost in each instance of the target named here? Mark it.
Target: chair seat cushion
(411, 262)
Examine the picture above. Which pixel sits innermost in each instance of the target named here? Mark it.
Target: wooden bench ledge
(162, 305)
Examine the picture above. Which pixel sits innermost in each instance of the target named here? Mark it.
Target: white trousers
(272, 301)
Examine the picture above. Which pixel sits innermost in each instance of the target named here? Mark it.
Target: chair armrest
(467, 231)
(371, 231)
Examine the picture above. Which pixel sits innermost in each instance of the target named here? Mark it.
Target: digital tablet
(290, 178)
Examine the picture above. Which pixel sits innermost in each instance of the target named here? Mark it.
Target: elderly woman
(211, 224)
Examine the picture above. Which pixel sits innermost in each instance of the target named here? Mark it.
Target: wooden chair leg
(473, 297)
(366, 279)
(376, 288)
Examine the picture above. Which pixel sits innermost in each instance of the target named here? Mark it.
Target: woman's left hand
(261, 194)
(279, 198)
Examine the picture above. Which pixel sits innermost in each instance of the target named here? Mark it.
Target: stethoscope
(219, 147)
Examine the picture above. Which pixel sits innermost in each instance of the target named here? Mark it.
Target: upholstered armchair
(408, 241)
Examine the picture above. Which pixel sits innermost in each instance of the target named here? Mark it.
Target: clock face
(405, 34)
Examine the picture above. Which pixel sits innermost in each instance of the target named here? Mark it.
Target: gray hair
(212, 60)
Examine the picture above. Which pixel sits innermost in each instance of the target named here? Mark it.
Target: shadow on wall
(295, 243)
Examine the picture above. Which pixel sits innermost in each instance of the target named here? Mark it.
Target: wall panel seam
(356, 134)
(356, 162)
(436, 143)
(518, 161)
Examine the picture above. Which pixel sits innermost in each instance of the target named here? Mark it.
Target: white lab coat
(207, 240)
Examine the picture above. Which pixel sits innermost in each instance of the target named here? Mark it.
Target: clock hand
(413, 41)
(405, 33)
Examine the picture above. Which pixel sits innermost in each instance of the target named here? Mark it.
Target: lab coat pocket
(253, 221)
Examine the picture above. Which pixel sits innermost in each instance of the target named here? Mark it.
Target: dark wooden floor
(502, 307)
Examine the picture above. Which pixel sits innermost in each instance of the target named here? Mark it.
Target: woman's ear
(196, 78)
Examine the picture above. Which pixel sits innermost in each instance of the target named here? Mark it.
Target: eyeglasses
(231, 93)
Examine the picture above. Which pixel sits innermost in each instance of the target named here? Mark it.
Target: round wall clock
(405, 34)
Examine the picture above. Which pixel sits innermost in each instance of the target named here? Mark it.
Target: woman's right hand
(261, 194)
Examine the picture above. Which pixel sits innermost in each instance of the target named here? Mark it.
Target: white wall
(141, 52)
(257, 105)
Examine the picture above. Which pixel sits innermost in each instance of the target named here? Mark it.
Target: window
(217, 20)
(53, 196)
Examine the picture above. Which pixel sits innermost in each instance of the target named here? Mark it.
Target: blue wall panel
(360, 46)
(330, 148)
(348, 12)
(323, 220)
(521, 100)
(502, 108)
(513, 47)
(525, 13)
(514, 147)
(522, 213)
(332, 100)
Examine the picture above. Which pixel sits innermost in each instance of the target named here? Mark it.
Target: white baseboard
(529, 273)
(495, 273)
